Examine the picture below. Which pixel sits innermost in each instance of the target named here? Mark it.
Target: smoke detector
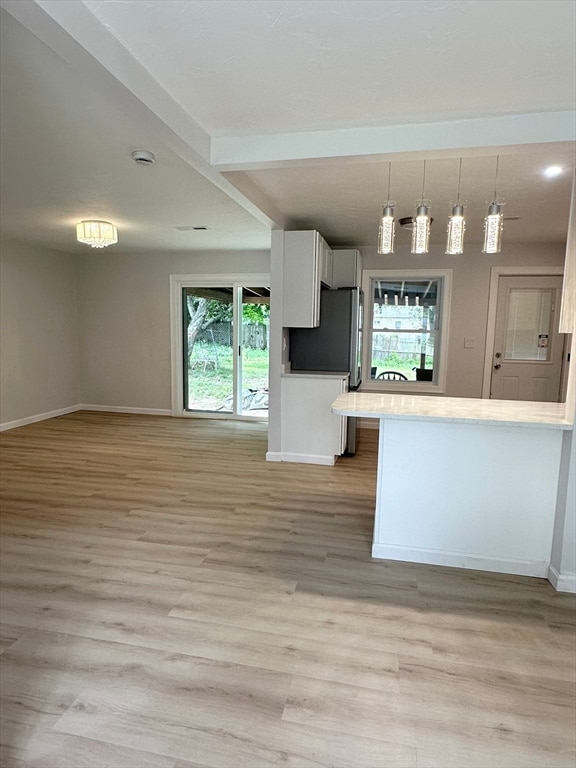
(143, 157)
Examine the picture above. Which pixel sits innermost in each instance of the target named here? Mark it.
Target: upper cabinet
(346, 269)
(325, 263)
(307, 265)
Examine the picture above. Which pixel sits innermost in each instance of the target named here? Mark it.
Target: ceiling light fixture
(421, 229)
(97, 234)
(387, 225)
(493, 221)
(456, 224)
(552, 171)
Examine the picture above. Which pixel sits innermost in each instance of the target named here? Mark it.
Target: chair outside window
(392, 376)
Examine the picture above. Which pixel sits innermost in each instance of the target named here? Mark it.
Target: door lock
(498, 354)
(497, 367)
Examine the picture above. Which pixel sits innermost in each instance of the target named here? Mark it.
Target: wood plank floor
(171, 600)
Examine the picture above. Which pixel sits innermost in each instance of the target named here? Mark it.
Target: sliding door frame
(177, 284)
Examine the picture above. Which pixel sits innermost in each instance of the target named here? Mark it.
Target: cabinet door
(301, 274)
(326, 262)
(346, 269)
(311, 433)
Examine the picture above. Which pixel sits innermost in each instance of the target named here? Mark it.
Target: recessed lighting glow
(552, 171)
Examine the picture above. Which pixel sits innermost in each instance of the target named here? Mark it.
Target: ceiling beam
(235, 153)
(78, 37)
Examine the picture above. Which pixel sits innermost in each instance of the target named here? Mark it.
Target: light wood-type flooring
(171, 600)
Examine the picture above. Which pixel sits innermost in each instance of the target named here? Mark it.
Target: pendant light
(493, 222)
(98, 234)
(387, 223)
(456, 224)
(421, 227)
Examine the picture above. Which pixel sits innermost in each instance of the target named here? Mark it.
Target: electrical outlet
(469, 343)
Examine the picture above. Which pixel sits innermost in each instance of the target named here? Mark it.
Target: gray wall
(95, 329)
(39, 351)
(470, 292)
(92, 329)
(124, 321)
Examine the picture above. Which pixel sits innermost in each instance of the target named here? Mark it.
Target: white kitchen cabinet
(346, 268)
(325, 263)
(311, 433)
(307, 263)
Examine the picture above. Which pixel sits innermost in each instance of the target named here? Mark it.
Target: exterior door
(528, 349)
(225, 350)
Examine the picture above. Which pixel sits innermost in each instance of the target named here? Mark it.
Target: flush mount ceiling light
(493, 221)
(421, 227)
(97, 234)
(387, 225)
(552, 171)
(456, 224)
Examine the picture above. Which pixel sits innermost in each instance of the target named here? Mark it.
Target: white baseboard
(83, 407)
(301, 458)
(460, 560)
(562, 582)
(125, 409)
(39, 417)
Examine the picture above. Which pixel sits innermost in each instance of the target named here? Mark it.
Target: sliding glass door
(253, 348)
(225, 349)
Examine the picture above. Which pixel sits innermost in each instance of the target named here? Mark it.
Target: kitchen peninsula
(464, 482)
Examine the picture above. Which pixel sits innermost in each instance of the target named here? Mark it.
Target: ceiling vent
(143, 157)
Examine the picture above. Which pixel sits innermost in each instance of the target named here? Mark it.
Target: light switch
(469, 343)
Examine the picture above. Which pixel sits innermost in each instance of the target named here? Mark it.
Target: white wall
(470, 292)
(39, 357)
(124, 311)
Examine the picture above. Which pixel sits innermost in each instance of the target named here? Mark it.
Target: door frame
(495, 274)
(177, 283)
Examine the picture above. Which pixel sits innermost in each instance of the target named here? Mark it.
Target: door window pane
(226, 367)
(208, 336)
(528, 324)
(254, 345)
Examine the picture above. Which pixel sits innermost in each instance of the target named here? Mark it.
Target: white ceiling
(267, 113)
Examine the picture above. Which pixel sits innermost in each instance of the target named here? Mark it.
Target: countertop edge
(449, 410)
(453, 419)
(314, 375)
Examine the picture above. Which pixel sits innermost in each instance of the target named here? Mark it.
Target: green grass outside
(210, 379)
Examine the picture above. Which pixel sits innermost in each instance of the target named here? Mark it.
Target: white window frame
(177, 283)
(441, 349)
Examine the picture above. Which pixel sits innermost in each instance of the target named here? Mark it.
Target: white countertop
(317, 374)
(454, 409)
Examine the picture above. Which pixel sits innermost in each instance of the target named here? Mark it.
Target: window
(407, 319)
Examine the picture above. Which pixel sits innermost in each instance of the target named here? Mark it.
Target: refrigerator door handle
(354, 338)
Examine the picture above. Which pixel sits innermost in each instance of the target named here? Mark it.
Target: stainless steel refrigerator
(335, 345)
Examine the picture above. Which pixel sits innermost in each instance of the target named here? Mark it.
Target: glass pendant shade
(421, 230)
(493, 229)
(97, 234)
(456, 229)
(386, 230)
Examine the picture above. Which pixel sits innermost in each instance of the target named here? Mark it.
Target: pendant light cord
(423, 181)
(389, 174)
(496, 177)
(459, 177)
